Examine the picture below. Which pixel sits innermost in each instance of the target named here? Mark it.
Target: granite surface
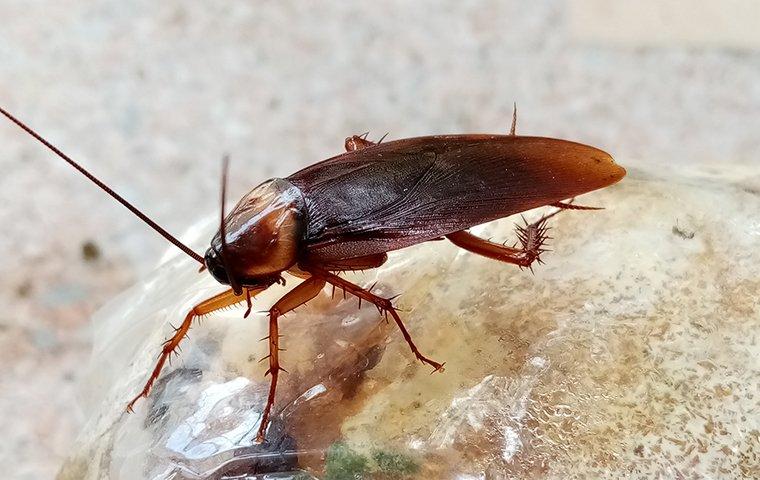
(150, 96)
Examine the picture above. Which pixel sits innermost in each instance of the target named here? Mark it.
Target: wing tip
(605, 165)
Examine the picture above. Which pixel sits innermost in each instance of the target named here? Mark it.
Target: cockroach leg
(522, 257)
(570, 206)
(357, 142)
(384, 305)
(513, 128)
(222, 300)
(249, 304)
(532, 237)
(304, 292)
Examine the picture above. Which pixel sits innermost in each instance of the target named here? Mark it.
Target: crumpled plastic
(630, 352)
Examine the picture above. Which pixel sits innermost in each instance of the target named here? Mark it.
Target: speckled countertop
(151, 95)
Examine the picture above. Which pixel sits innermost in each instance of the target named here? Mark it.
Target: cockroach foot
(533, 239)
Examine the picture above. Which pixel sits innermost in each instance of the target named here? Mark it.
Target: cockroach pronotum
(345, 213)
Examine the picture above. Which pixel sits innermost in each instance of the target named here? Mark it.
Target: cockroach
(347, 212)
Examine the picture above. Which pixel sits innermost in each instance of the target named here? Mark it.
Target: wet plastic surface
(633, 352)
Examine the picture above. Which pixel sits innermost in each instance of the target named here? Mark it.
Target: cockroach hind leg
(570, 206)
(532, 238)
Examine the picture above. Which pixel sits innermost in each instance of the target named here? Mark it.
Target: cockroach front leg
(224, 299)
(383, 304)
(304, 292)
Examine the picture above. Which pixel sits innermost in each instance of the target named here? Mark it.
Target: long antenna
(105, 188)
(223, 231)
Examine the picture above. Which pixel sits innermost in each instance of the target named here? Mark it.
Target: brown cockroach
(345, 213)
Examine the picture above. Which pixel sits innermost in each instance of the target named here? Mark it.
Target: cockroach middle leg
(383, 304)
(217, 302)
(304, 292)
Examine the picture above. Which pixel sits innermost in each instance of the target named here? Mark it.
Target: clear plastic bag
(630, 353)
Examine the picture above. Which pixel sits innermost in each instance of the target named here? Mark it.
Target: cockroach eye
(216, 267)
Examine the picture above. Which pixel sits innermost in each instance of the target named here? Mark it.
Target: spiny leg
(532, 238)
(224, 299)
(383, 304)
(304, 292)
(569, 205)
(532, 246)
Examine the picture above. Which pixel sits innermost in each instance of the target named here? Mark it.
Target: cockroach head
(262, 235)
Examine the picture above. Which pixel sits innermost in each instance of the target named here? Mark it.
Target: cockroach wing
(400, 193)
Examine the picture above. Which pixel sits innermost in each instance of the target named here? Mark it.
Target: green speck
(344, 464)
(395, 465)
(303, 476)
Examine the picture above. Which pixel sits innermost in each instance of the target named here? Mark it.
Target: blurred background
(150, 95)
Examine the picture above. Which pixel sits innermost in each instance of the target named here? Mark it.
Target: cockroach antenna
(223, 231)
(105, 188)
